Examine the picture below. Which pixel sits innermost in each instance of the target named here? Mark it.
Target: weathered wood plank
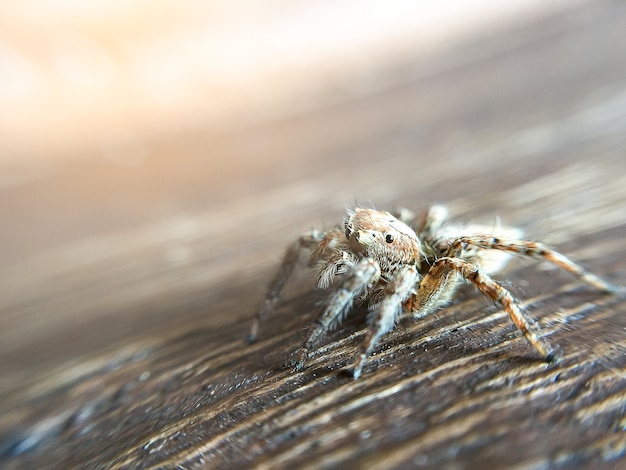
(144, 361)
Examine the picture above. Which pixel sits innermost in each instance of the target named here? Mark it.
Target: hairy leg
(337, 263)
(326, 243)
(386, 311)
(433, 288)
(363, 275)
(290, 259)
(432, 221)
(532, 250)
(404, 215)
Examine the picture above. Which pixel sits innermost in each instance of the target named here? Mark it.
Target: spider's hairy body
(363, 236)
(399, 263)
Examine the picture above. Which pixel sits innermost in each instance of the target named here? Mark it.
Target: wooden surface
(127, 293)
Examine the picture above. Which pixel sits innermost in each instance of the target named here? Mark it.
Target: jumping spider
(397, 262)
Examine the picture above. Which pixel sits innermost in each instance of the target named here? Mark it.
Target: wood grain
(126, 349)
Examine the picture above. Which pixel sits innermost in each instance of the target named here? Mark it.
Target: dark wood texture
(127, 349)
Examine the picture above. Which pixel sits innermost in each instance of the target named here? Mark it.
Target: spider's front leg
(385, 312)
(438, 279)
(291, 257)
(365, 273)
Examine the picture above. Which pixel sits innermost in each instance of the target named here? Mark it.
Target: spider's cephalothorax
(375, 235)
(382, 237)
(397, 263)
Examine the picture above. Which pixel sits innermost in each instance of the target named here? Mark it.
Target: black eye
(348, 230)
(389, 238)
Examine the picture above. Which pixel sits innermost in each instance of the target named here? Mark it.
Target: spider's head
(383, 237)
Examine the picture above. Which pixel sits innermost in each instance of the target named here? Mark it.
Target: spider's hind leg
(533, 250)
(490, 289)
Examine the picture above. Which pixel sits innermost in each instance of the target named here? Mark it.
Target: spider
(397, 262)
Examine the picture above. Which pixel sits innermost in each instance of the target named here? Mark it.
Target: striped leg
(439, 276)
(532, 250)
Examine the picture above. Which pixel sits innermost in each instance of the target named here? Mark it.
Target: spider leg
(386, 311)
(435, 282)
(533, 250)
(291, 257)
(363, 275)
(431, 221)
(405, 215)
(428, 222)
(325, 244)
(339, 262)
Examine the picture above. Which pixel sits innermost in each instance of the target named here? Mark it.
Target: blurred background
(101, 75)
(156, 156)
(133, 104)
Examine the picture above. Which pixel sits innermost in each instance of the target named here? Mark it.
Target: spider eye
(348, 230)
(389, 238)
